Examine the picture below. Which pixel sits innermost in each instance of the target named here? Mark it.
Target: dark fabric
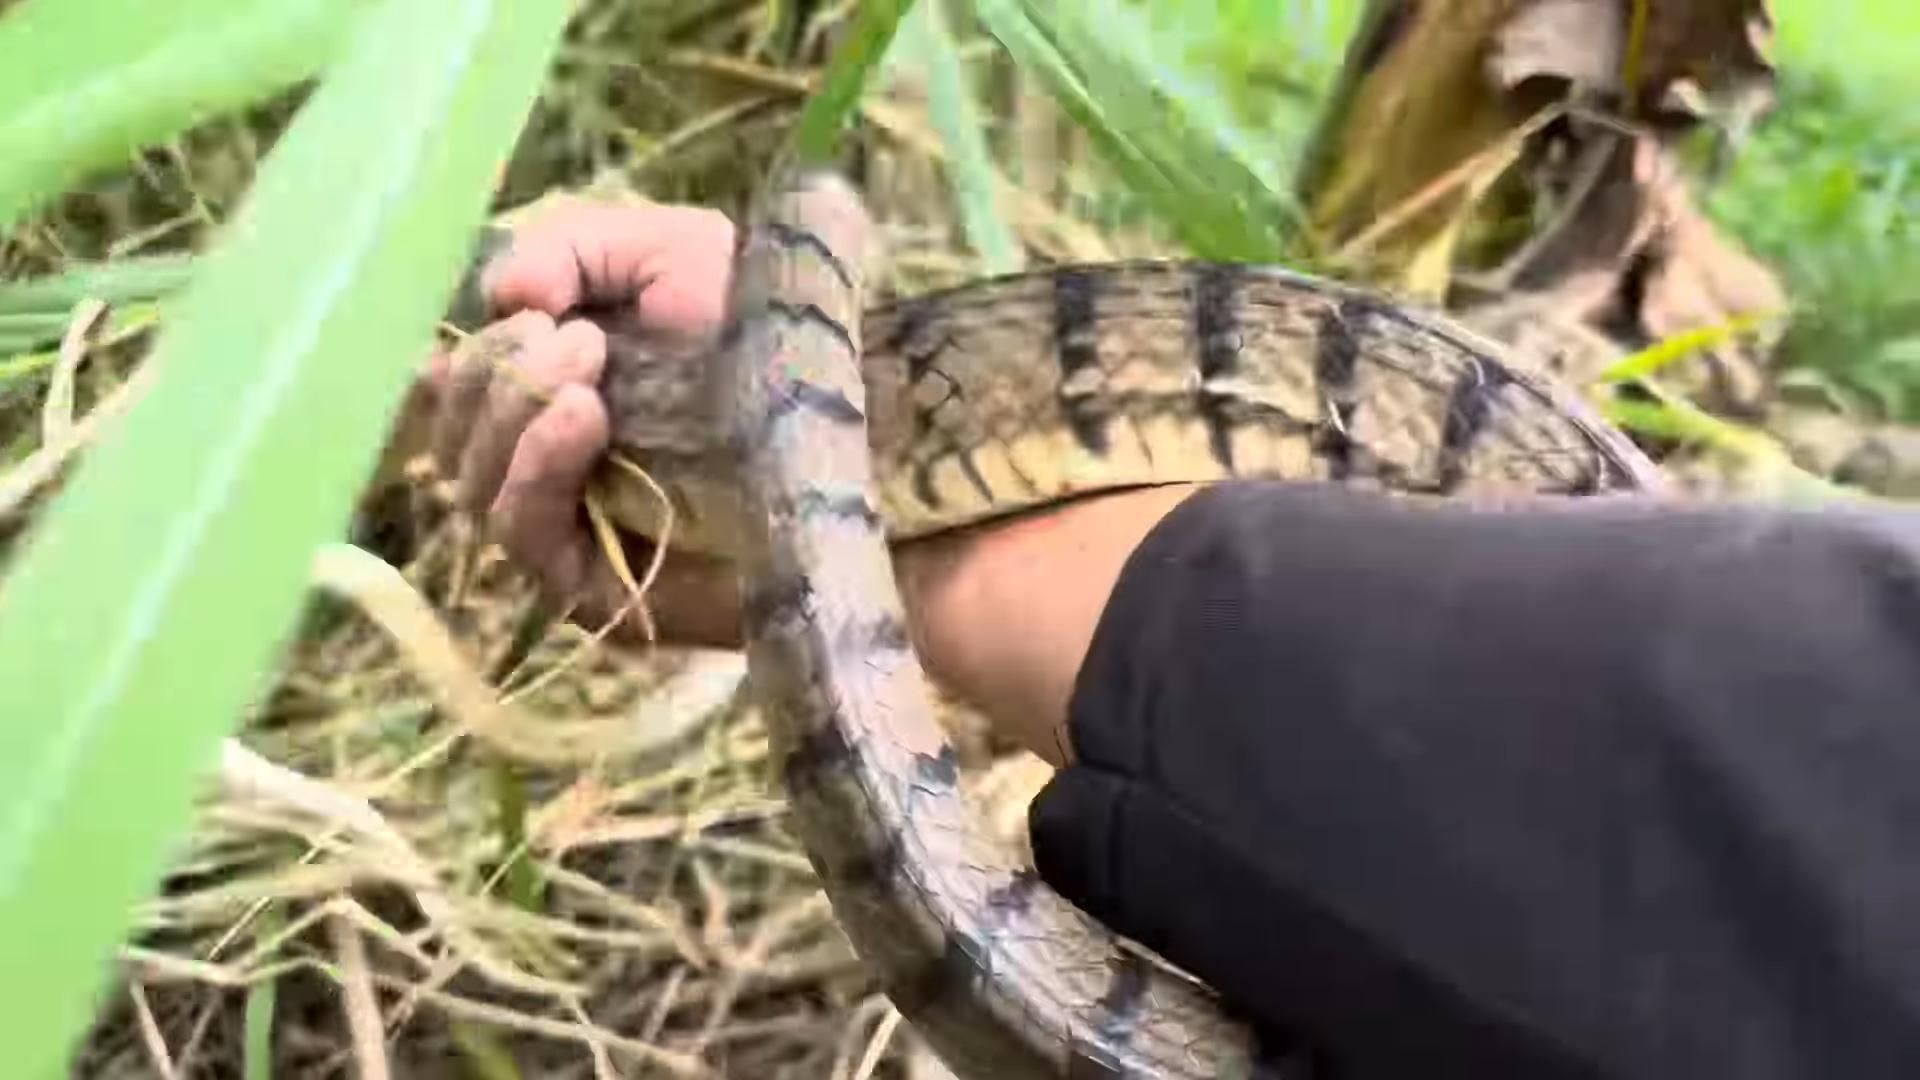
(1605, 788)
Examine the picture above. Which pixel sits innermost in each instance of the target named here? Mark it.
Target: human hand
(519, 423)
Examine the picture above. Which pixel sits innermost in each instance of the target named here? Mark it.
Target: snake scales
(823, 429)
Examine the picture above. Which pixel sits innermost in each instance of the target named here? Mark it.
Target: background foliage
(135, 629)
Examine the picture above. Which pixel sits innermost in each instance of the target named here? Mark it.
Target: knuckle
(582, 345)
(527, 327)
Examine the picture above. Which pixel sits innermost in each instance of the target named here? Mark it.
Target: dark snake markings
(811, 314)
(1076, 345)
(792, 238)
(1469, 407)
(914, 318)
(1216, 330)
(1336, 362)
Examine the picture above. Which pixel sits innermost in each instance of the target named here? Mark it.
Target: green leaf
(1670, 416)
(1168, 128)
(88, 82)
(816, 137)
(929, 44)
(122, 281)
(1668, 351)
(263, 998)
(149, 605)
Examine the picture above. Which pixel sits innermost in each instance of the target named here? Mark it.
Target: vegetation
(1829, 191)
(442, 828)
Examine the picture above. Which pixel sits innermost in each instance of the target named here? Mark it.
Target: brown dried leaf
(1698, 278)
(1575, 40)
(1695, 59)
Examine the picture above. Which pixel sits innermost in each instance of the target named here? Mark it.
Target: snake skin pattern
(1013, 393)
(824, 430)
(981, 401)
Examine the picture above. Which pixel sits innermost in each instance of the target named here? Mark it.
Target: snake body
(824, 431)
(1012, 393)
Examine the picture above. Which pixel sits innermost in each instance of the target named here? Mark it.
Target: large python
(823, 431)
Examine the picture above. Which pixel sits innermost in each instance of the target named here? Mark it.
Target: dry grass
(453, 839)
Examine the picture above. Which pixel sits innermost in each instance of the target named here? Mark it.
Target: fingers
(673, 263)
(537, 519)
(463, 380)
(549, 358)
(536, 516)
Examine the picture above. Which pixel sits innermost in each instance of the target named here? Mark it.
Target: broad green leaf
(85, 83)
(816, 136)
(1168, 128)
(928, 43)
(150, 603)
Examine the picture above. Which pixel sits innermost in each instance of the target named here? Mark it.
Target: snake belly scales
(821, 431)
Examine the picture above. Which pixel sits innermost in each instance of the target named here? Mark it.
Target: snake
(819, 431)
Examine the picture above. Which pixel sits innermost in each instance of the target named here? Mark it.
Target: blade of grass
(1671, 416)
(24, 363)
(87, 82)
(121, 282)
(816, 137)
(33, 328)
(524, 888)
(262, 998)
(1661, 354)
(21, 359)
(928, 43)
(143, 613)
(1167, 128)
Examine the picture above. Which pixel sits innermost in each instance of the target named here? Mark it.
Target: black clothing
(1608, 788)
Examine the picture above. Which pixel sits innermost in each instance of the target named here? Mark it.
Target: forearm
(1002, 615)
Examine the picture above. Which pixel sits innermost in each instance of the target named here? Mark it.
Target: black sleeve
(1611, 789)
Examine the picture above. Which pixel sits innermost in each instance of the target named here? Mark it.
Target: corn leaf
(85, 83)
(147, 608)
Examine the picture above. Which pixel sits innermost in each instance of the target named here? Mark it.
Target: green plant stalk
(816, 137)
(145, 611)
(86, 83)
(524, 887)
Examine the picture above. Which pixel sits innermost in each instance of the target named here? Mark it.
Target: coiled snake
(802, 453)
